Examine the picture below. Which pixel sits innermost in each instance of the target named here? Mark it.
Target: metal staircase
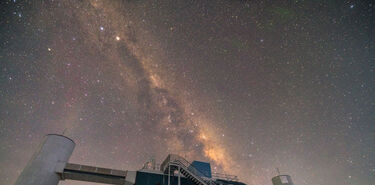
(175, 162)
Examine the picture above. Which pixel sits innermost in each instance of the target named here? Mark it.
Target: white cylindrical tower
(41, 168)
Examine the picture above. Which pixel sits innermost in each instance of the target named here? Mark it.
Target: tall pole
(169, 173)
(41, 168)
(179, 175)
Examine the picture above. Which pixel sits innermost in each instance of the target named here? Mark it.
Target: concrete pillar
(41, 168)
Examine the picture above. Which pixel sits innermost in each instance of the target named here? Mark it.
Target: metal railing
(151, 166)
(225, 176)
(176, 159)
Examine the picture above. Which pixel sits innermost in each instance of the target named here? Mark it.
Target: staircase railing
(173, 158)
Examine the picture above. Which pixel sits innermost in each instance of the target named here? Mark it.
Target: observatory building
(50, 164)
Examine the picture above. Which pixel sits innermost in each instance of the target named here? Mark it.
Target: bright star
(101, 28)
(117, 38)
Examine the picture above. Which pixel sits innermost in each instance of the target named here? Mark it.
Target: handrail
(225, 176)
(189, 167)
(164, 163)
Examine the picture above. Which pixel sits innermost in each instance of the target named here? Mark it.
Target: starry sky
(249, 86)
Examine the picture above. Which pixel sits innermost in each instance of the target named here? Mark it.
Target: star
(200, 81)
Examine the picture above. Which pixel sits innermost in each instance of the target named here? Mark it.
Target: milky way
(249, 86)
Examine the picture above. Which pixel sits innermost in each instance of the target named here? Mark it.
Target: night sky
(249, 86)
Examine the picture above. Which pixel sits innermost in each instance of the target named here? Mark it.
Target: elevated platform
(49, 165)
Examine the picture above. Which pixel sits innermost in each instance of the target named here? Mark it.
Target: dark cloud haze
(247, 85)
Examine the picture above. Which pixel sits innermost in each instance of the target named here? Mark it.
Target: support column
(169, 174)
(179, 175)
(41, 168)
